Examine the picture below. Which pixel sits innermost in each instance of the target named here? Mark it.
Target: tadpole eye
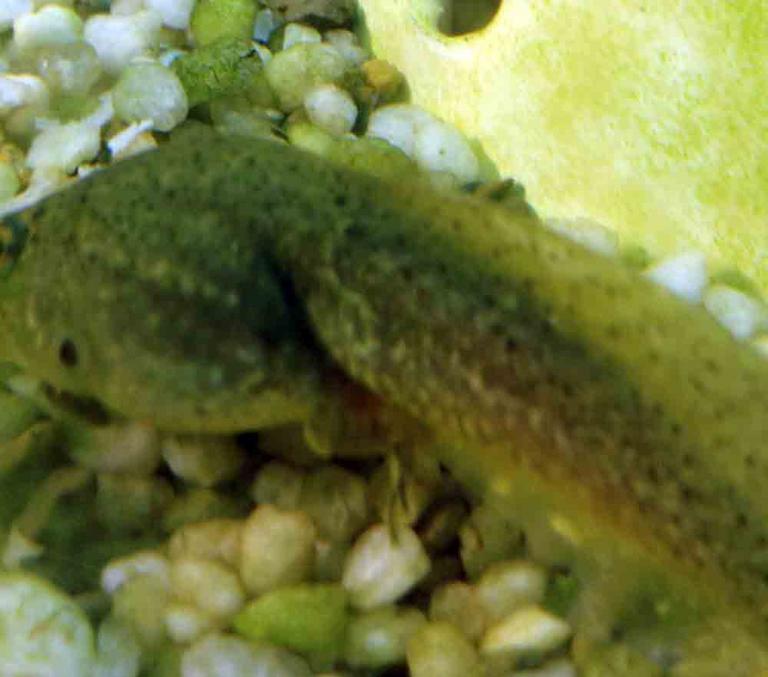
(68, 353)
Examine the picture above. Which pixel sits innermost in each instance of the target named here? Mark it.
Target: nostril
(460, 17)
(68, 353)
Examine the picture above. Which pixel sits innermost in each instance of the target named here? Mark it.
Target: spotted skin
(220, 285)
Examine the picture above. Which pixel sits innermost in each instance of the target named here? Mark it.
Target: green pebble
(215, 19)
(308, 618)
(226, 67)
(306, 136)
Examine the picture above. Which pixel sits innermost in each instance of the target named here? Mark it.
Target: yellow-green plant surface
(650, 117)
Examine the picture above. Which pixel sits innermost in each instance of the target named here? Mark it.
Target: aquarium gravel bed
(127, 551)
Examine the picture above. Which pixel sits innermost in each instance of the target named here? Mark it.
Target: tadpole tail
(536, 358)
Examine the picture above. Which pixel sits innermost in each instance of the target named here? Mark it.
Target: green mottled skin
(215, 284)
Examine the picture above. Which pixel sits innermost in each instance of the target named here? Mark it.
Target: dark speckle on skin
(68, 353)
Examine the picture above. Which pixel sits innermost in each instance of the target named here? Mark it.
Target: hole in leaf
(460, 17)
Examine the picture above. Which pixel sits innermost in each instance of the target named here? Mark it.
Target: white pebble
(398, 125)
(103, 114)
(175, 13)
(167, 57)
(378, 638)
(293, 72)
(73, 69)
(144, 563)
(118, 39)
(10, 10)
(204, 460)
(346, 43)
(741, 314)
(125, 447)
(296, 34)
(126, 7)
(44, 182)
(219, 656)
(185, 623)
(266, 23)
(440, 147)
(435, 145)
(222, 655)
(380, 569)
(44, 632)
(210, 586)
(87, 170)
(120, 142)
(331, 108)
(118, 650)
(216, 539)
(264, 54)
(64, 147)
(506, 586)
(529, 630)
(587, 233)
(278, 548)
(21, 90)
(49, 26)
(141, 144)
(150, 91)
(685, 275)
